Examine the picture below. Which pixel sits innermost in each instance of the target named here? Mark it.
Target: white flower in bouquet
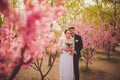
(68, 43)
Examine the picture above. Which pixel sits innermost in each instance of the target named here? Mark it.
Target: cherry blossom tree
(107, 37)
(104, 37)
(52, 49)
(87, 32)
(21, 37)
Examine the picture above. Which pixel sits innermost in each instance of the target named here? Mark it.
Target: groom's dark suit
(78, 46)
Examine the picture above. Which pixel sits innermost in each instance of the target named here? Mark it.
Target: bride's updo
(66, 31)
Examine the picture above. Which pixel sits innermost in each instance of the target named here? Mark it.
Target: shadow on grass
(111, 60)
(117, 53)
(91, 74)
(26, 78)
(102, 53)
(84, 70)
(81, 59)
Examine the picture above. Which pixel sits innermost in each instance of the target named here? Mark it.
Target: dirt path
(99, 70)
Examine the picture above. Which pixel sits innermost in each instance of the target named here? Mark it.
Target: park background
(30, 32)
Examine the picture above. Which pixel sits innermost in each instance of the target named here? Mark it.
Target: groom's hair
(71, 28)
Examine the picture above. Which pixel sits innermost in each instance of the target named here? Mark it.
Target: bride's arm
(67, 49)
(72, 51)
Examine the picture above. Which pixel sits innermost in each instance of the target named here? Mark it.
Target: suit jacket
(78, 44)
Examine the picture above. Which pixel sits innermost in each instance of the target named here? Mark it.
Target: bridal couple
(71, 45)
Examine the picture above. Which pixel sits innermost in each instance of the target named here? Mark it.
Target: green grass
(84, 70)
(81, 59)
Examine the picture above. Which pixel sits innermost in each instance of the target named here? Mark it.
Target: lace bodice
(64, 42)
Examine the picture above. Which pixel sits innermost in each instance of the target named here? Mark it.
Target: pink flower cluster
(25, 36)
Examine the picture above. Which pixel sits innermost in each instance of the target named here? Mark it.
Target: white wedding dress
(66, 64)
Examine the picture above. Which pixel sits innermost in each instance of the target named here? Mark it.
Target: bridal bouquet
(70, 47)
(69, 43)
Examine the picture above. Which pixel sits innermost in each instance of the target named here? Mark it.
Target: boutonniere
(76, 40)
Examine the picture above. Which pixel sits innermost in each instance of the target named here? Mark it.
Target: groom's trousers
(76, 66)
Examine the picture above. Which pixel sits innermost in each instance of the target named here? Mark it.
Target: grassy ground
(101, 69)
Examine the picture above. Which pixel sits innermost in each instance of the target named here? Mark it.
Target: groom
(78, 45)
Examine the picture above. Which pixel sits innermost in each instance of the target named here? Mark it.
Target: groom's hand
(75, 52)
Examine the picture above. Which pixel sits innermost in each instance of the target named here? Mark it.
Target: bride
(66, 57)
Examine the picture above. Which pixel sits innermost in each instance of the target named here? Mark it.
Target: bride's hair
(66, 31)
(63, 36)
(71, 28)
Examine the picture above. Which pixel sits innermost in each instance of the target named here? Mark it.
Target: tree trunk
(42, 78)
(50, 61)
(87, 65)
(108, 55)
(15, 71)
(18, 67)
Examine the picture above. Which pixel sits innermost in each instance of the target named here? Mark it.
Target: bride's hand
(72, 52)
(67, 49)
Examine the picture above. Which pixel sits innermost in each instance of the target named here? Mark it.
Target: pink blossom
(4, 7)
(25, 36)
(43, 1)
